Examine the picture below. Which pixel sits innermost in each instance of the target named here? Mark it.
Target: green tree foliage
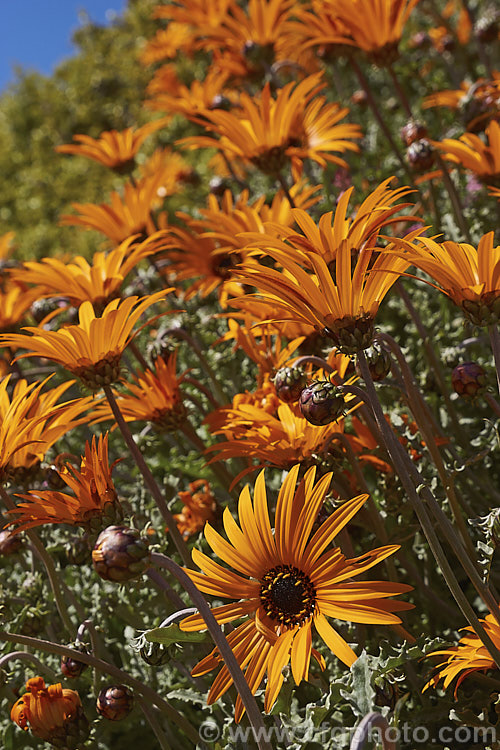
(100, 88)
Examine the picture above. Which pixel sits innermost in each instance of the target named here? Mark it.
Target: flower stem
(434, 362)
(54, 648)
(400, 92)
(364, 730)
(318, 361)
(495, 406)
(220, 471)
(424, 421)
(180, 333)
(456, 203)
(50, 568)
(374, 107)
(414, 486)
(495, 347)
(138, 355)
(25, 656)
(149, 479)
(203, 389)
(225, 650)
(154, 724)
(286, 190)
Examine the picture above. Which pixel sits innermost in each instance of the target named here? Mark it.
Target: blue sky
(36, 34)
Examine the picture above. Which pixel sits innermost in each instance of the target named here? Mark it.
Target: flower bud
(378, 361)
(468, 380)
(420, 155)
(289, 383)
(71, 667)
(120, 554)
(9, 543)
(413, 131)
(486, 27)
(321, 402)
(154, 654)
(115, 702)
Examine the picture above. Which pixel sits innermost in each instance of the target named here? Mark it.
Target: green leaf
(173, 634)
(363, 695)
(188, 695)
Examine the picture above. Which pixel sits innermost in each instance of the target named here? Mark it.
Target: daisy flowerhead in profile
(91, 350)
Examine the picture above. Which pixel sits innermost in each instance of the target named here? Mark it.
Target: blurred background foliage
(100, 88)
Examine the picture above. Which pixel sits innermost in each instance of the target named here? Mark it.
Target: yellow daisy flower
(286, 584)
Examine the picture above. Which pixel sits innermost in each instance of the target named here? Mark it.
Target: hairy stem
(54, 648)
(225, 650)
(149, 479)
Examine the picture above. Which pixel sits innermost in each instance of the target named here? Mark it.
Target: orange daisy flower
(262, 344)
(226, 219)
(287, 584)
(53, 713)
(199, 508)
(95, 500)
(206, 250)
(477, 102)
(317, 25)
(92, 349)
(374, 27)
(201, 14)
(173, 96)
(168, 169)
(155, 397)
(15, 301)
(352, 232)
(276, 438)
(269, 132)
(125, 216)
(470, 277)
(338, 298)
(99, 282)
(473, 153)
(167, 43)
(6, 245)
(31, 421)
(114, 149)
(467, 657)
(252, 35)
(192, 256)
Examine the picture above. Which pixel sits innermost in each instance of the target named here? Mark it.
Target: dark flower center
(288, 595)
